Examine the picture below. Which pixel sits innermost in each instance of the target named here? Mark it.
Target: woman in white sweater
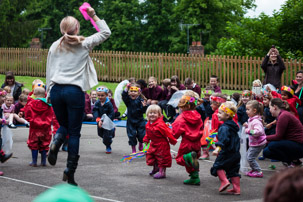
(69, 72)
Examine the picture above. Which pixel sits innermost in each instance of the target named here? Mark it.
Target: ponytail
(281, 104)
(69, 28)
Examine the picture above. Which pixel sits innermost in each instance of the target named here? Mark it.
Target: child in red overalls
(40, 116)
(189, 125)
(158, 155)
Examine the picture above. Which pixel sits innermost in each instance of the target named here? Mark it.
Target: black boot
(3, 157)
(54, 148)
(68, 174)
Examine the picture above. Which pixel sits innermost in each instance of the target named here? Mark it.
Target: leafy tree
(250, 36)
(291, 27)
(158, 25)
(124, 19)
(15, 29)
(211, 17)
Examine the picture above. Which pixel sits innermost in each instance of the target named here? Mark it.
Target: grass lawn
(27, 81)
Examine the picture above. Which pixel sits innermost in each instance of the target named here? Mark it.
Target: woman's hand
(91, 12)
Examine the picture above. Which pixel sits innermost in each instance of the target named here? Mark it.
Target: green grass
(27, 82)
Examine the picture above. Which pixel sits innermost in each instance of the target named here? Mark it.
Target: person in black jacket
(273, 67)
(16, 87)
(227, 163)
(104, 106)
(136, 107)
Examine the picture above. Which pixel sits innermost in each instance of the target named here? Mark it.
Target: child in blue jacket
(136, 107)
(104, 106)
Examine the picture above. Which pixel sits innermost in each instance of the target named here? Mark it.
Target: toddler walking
(257, 136)
(104, 106)
(159, 135)
(227, 150)
(189, 125)
(136, 107)
(40, 114)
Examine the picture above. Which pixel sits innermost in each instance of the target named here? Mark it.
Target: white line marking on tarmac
(213, 162)
(40, 185)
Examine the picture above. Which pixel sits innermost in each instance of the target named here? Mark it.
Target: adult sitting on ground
(287, 144)
(16, 88)
(297, 87)
(273, 67)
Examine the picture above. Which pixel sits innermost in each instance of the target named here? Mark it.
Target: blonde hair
(39, 92)
(257, 81)
(153, 78)
(185, 105)
(36, 81)
(231, 106)
(25, 91)
(69, 28)
(256, 105)
(8, 96)
(7, 89)
(153, 108)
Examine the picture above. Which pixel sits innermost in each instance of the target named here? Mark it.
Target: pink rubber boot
(161, 174)
(140, 146)
(224, 181)
(236, 186)
(155, 170)
(205, 155)
(134, 149)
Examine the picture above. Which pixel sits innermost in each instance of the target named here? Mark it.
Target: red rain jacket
(159, 150)
(189, 125)
(40, 116)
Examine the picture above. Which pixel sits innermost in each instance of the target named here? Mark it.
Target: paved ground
(105, 178)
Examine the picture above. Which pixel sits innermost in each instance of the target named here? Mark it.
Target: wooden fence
(235, 72)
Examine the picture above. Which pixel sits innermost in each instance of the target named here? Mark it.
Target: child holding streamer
(189, 125)
(136, 107)
(227, 150)
(160, 135)
(257, 137)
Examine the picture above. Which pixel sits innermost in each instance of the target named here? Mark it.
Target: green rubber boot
(194, 179)
(191, 160)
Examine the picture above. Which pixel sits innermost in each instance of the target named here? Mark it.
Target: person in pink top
(257, 136)
(287, 144)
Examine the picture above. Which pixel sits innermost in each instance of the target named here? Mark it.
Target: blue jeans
(68, 102)
(284, 150)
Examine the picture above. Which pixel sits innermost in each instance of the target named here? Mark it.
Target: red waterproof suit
(189, 125)
(40, 116)
(159, 150)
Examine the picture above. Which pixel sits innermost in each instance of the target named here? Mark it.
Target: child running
(227, 150)
(136, 107)
(40, 114)
(189, 125)
(257, 137)
(160, 135)
(104, 106)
